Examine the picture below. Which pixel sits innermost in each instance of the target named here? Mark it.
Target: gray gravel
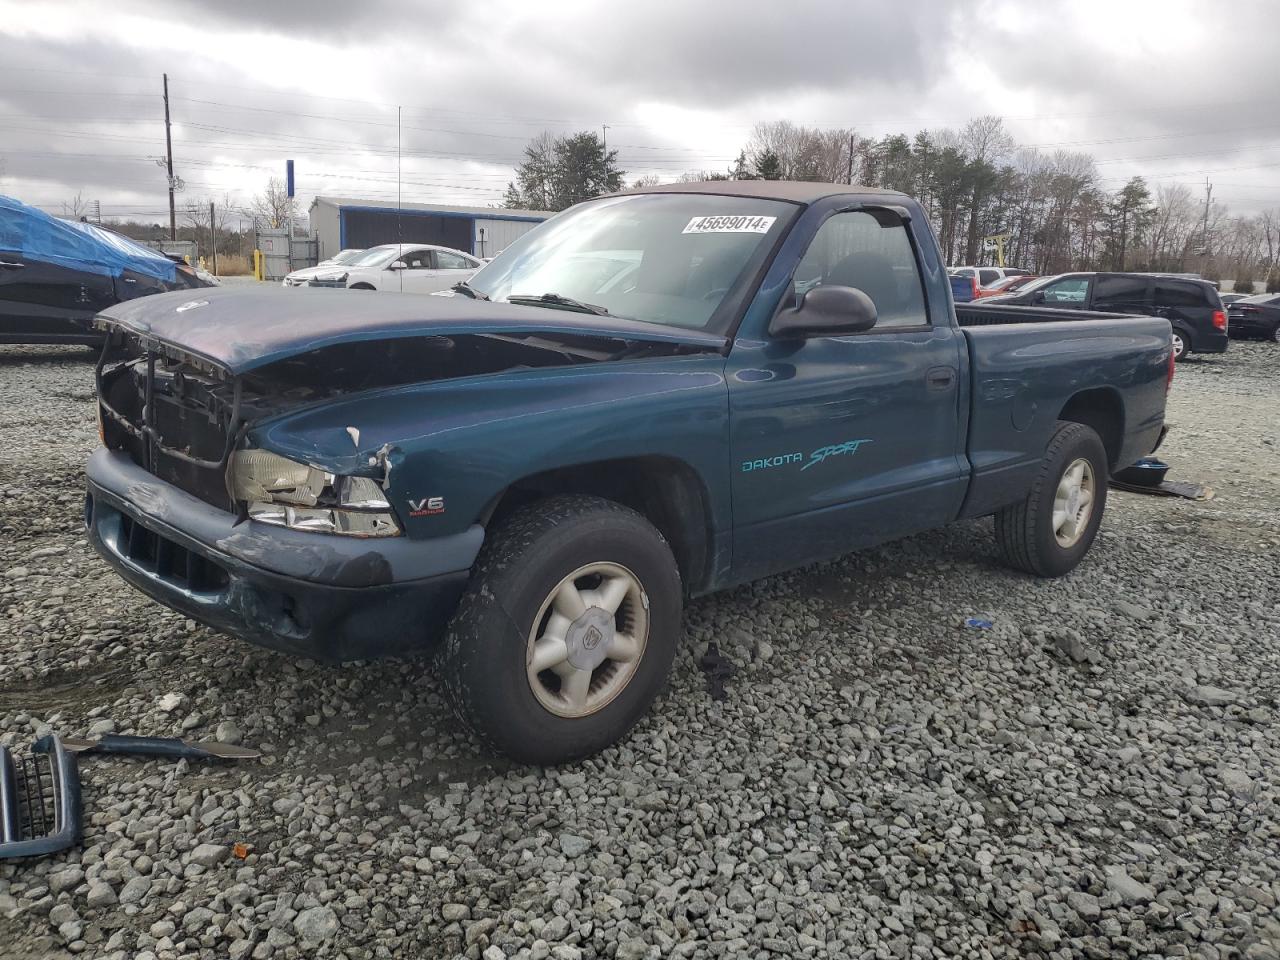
(1094, 776)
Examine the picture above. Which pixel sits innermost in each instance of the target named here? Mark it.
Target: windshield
(669, 258)
(1036, 284)
(348, 256)
(1262, 298)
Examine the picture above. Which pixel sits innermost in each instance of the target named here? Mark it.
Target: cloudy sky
(1177, 90)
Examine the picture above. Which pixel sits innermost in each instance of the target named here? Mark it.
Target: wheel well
(667, 492)
(362, 286)
(1102, 410)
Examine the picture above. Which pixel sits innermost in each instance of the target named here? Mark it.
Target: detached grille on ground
(39, 800)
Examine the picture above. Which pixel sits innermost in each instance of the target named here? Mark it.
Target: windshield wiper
(558, 301)
(463, 287)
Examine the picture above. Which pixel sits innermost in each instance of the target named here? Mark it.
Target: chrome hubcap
(1178, 345)
(1073, 503)
(587, 639)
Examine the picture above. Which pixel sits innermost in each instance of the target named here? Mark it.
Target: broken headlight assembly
(286, 493)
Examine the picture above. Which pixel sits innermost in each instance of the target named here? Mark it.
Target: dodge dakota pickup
(652, 396)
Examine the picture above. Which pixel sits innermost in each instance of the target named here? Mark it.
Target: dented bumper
(322, 596)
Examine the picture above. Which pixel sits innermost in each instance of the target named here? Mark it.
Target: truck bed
(980, 314)
(1028, 364)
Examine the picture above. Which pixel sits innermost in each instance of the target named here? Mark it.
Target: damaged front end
(185, 419)
(229, 491)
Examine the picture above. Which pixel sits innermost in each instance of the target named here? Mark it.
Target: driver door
(418, 267)
(840, 442)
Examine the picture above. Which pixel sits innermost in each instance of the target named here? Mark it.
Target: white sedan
(299, 278)
(402, 268)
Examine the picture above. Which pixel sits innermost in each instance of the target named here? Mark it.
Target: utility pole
(604, 154)
(213, 239)
(851, 159)
(1204, 230)
(168, 149)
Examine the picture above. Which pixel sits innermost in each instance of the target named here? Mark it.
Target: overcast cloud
(1176, 91)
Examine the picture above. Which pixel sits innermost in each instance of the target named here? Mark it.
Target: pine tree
(768, 166)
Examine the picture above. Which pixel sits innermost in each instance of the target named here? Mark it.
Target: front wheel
(566, 632)
(1049, 532)
(1275, 333)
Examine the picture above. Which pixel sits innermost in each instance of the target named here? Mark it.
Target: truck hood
(240, 330)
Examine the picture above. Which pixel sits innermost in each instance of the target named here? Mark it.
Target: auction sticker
(729, 224)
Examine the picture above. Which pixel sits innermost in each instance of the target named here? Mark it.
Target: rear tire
(608, 637)
(1275, 333)
(1181, 346)
(1049, 532)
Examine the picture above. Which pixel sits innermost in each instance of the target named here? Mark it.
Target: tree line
(1052, 209)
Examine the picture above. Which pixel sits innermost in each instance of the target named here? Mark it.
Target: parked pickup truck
(652, 396)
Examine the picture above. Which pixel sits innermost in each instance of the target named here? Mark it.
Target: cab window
(854, 250)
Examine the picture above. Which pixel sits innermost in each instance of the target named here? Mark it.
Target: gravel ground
(1094, 776)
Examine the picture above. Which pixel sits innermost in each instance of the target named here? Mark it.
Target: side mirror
(398, 265)
(1037, 297)
(829, 311)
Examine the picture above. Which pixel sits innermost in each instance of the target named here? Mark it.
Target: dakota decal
(779, 461)
(815, 458)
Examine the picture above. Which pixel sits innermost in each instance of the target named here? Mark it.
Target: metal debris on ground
(160, 747)
(717, 670)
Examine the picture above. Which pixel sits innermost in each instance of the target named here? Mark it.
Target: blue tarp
(80, 246)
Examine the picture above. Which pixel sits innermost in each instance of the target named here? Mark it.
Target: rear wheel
(1050, 531)
(566, 632)
(1180, 346)
(1275, 332)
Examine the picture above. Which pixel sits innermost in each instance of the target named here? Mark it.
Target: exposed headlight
(291, 494)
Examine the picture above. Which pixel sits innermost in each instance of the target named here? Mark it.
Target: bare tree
(273, 205)
(76, 208)
(803, 153)
(196, 213)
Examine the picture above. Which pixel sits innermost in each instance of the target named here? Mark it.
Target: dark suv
(1192, 307)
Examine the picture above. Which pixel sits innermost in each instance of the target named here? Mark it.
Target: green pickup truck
(651, 396)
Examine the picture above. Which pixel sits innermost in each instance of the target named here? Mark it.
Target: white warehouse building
(338, 223)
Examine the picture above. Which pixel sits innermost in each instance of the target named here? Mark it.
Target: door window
(1119, 291)
(988, 277)
(1067, 291)
(417, 260)
(452, 261)
(854, 250)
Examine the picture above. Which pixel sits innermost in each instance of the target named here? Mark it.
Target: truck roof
(789, 190)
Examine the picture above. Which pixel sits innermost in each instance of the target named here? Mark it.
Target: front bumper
(323, 596)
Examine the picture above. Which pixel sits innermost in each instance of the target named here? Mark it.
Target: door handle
(940, 378)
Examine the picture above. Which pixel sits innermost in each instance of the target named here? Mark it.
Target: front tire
(1275, 333)
(566, 632)
(1049, 532)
